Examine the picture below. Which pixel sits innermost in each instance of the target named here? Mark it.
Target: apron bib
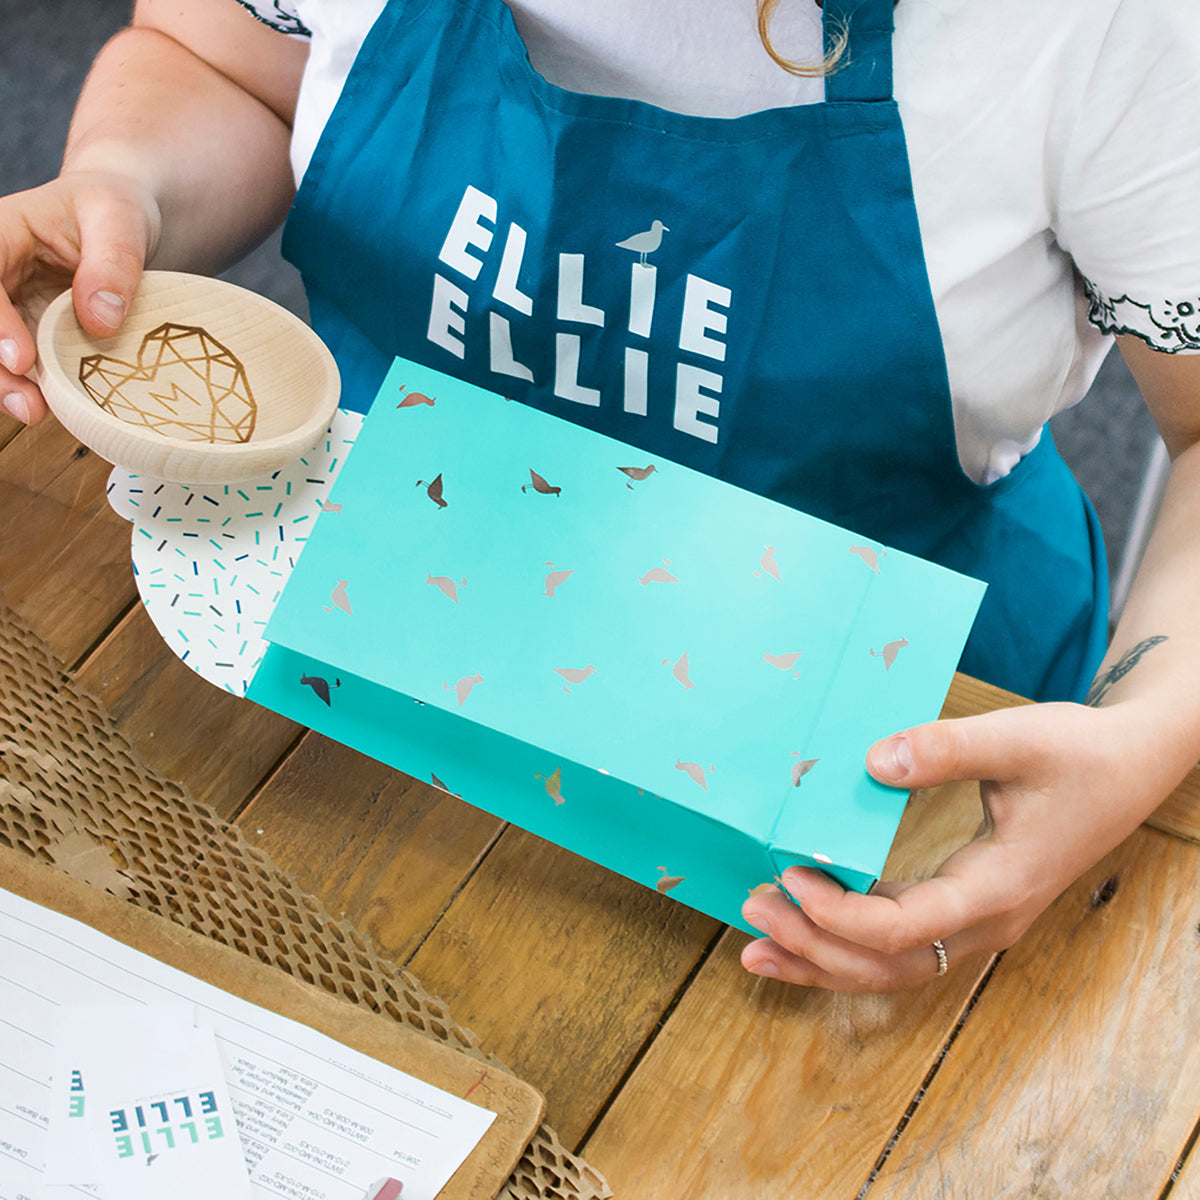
(747, 297)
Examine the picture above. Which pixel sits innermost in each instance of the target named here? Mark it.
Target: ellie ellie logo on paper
(702, 323)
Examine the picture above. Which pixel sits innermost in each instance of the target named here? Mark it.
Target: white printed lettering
(566, 372)
(642, 284)
(466, 230)
(637, 369)
(446, 323)
(503, 361)
(691, 401)
(699, 317)
(506, 290)
(570, 292)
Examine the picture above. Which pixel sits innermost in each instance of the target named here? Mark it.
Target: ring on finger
(943, 963)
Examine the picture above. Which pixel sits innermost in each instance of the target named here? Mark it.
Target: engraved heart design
(185, 385)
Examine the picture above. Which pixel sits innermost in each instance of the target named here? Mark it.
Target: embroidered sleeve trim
(273, 14)
(1167, 325)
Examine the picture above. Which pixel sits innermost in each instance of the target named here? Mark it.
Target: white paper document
(315, 1119)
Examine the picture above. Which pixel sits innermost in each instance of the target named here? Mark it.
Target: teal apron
(747, 297)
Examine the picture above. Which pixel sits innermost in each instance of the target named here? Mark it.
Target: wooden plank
(9, 428)
(1178, 814)
(220, 745)
(755, 1088)
(381, 849)
(562, 968)
(64, 554)
(1078, 1073)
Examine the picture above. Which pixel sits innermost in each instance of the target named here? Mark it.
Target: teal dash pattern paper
(667, 674)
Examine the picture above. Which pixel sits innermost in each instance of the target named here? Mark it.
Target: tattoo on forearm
(1109, 679)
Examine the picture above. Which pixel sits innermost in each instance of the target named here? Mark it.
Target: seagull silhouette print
(889, 652)
(646, 242)
(463, 688)
(767, 562)
(555, 580)
(680, 670)
(695, 771)
(575, 674)
(553, 786)
(658, 575)
(783, 662)
(319, 686)
(437, 783)
(637, 474)
(433, 490)
(869, 556)
(414, 398)
(447, 586)
(339, 599)
(801, 768)
(540, 485)
(667, 882)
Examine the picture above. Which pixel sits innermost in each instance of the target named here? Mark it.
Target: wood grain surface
(1078, 1073)
(64, 554)
(562, 968)
(385, 851)
(758, 1089)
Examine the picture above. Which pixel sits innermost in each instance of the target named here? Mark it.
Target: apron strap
(865, 71)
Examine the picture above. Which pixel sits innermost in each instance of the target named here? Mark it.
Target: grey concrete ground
(44, 55)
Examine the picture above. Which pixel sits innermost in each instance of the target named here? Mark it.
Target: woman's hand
(1062, 784)
(91, 231)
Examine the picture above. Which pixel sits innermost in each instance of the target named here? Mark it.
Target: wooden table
(1069, 1068)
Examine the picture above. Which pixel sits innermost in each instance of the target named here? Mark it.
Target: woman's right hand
(91, 231)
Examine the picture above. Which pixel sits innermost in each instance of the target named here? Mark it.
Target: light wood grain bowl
(288, 371)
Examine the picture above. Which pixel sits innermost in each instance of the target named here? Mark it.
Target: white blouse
(1054, 156)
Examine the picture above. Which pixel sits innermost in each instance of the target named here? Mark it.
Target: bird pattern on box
(677, 671)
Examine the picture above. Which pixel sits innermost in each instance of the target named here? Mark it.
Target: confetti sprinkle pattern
(211, 562)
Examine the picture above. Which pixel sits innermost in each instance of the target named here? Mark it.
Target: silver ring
(943, 962)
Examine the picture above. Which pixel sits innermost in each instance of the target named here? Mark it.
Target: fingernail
(8, 354)
(892, 759)
(759, 922)
(107, 307)
(17, 406)
(765, 967)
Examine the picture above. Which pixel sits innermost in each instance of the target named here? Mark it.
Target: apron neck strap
(865, 70)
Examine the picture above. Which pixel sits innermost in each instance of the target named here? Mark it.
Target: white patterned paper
(211, 561)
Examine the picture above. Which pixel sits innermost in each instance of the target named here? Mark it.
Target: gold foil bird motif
(694, 771)
(784, 662)
(434, 490)
(554, 785)
(463, 688)
(680, 669)
(447, 586)
(540, 485)
(889, 652)
(667, 882)
(555, 580)
(575, 674)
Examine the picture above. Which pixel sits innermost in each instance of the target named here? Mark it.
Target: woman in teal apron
(747, 297)
(744, 296)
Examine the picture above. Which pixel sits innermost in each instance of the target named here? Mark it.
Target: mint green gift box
(666, 674)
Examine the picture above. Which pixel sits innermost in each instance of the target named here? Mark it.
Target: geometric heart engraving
(185, 385)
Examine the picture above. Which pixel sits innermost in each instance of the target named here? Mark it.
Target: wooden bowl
(205, 383)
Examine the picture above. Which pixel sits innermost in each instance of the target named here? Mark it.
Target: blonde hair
(831, 61)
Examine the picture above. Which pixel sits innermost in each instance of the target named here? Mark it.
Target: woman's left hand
(1061, 785)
